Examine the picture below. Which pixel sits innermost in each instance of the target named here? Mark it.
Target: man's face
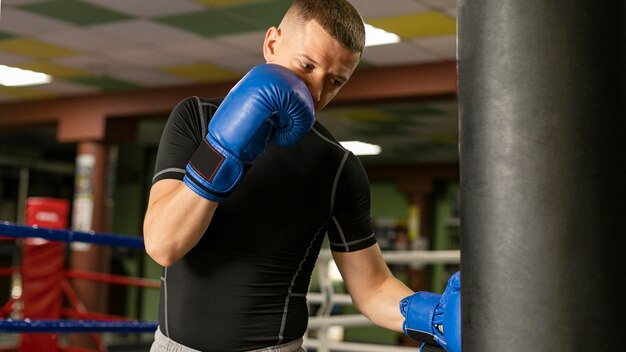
(310, 52)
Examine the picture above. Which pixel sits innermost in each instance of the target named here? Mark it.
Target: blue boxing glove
(433, 318)
(268, 103)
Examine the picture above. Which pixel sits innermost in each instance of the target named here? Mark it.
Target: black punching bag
(542, 100)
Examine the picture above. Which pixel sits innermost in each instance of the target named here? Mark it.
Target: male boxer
(246, 189)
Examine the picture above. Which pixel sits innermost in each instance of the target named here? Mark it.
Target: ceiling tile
(149, 78)
(264, 14)
(67, 88)
(34, 48)
(438, 3)
(84, 39)
(209, 23)
(99, 65)
(54, 70)
(21, 2)
(226, 3)
(203, 49)
(406, 132)
(147, 57)
(22, 22)
(397, 54)
(105, 83)
(149, 8)
(75, 11)
(376, 9)
(417, 25)
(201, 72)
(444, 45)
(241, 63)
(13, 59)
(115, 46)
(6, 35)
(451, 11)
(144, 31)
(251, 42)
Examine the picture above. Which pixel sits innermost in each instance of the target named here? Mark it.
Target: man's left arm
(431, 318)
(375, 292)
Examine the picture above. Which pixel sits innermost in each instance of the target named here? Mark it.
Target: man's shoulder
(197, 101)
(323, 132)
(195, 109)
(215, 102)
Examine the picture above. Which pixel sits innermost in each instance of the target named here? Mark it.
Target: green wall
(134, 170)
(387, 202)
(445, 222)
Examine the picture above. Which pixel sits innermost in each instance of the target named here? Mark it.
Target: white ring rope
(327, 298)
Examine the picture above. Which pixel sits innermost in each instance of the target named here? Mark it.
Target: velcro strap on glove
(419, 309)
(213, 172)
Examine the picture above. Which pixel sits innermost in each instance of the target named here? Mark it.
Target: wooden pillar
(90, 214)
(418, 222)
(418, 192)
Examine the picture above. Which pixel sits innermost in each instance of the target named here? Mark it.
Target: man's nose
(315, 87)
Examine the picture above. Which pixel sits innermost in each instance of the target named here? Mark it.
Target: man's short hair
(338, 17)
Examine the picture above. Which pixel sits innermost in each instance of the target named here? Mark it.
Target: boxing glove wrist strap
(431, 348)
(419, 309)
(212, 172)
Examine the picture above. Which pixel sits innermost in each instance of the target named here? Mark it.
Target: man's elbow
(159, 251)
(160, 256)
(358, 304)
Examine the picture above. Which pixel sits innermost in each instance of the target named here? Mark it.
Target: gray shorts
(164, 344)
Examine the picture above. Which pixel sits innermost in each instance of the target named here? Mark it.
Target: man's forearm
(175, 221)
(374, 290)
(382, 306)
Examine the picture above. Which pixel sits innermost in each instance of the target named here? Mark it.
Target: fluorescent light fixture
(376, 36)
(15, 77)
(361, 148)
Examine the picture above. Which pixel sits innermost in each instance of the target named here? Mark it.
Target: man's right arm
(175, 220)
(268, 103)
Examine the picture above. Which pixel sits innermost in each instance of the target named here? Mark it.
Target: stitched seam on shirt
(343, 237)
(336, 181)
(327, 140)
(352, 242)
(293, 282)
(203, 129)
(171, 169)
(164, 279)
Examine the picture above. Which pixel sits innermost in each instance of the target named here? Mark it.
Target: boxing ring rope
(21, 231)
(83, 320)
(327, 298)
(67, 326)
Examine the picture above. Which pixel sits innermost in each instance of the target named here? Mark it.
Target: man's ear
(272, 38)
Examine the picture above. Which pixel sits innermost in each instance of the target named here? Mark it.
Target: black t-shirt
(244, 285)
